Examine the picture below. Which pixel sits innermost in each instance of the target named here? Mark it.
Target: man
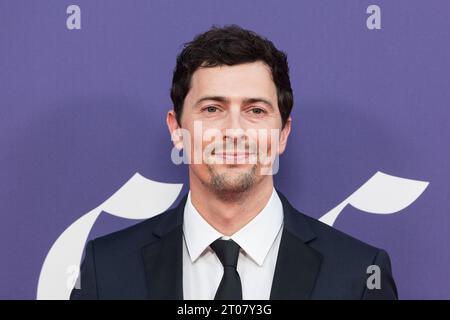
(233, 236)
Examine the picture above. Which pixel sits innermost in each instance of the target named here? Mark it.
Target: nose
(233, 129)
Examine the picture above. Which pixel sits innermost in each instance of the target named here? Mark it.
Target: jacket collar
(298, 264)
(296, 269)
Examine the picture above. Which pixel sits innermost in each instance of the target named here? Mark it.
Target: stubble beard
(230, 186)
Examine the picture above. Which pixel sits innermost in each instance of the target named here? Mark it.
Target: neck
(229, 214)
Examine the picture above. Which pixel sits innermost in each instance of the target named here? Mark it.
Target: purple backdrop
(82, 110)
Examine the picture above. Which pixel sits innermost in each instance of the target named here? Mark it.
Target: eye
(210, 109)
(257, 111)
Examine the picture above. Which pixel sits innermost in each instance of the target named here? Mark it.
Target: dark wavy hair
(230, 45)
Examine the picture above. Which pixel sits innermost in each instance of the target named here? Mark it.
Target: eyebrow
(226, 100)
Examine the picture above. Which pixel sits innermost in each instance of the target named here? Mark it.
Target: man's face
(237, 106)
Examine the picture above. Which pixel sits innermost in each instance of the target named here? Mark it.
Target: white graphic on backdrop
(142, 198)
(381, 194)
(139, 198)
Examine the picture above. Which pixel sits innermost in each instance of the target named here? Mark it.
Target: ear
(284, 136)
(174, 129)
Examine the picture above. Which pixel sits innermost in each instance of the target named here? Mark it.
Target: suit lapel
(163, 258)
(298, 265)
(296, 270)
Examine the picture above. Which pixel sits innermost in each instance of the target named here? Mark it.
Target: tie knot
(227, 251)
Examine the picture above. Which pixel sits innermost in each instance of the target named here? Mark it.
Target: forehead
(243, 80)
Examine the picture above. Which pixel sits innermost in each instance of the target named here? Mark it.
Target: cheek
(264, 136)
(200, 170)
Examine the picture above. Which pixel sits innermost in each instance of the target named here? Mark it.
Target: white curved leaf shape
(141, 198)
(65, 252)
(381, 194)
(138, 198)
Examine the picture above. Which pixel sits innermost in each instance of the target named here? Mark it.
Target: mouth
(233, 157)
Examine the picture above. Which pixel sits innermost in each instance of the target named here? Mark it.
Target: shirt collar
(255, 238)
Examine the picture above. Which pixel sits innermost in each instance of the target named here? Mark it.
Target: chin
(234, 179)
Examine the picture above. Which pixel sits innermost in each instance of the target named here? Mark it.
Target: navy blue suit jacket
(314, 261)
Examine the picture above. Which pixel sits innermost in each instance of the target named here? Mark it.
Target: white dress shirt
(259, 241)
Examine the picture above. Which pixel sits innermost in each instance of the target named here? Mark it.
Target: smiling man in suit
(233, 236)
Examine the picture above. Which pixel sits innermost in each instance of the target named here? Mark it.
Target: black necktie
(230, 287)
